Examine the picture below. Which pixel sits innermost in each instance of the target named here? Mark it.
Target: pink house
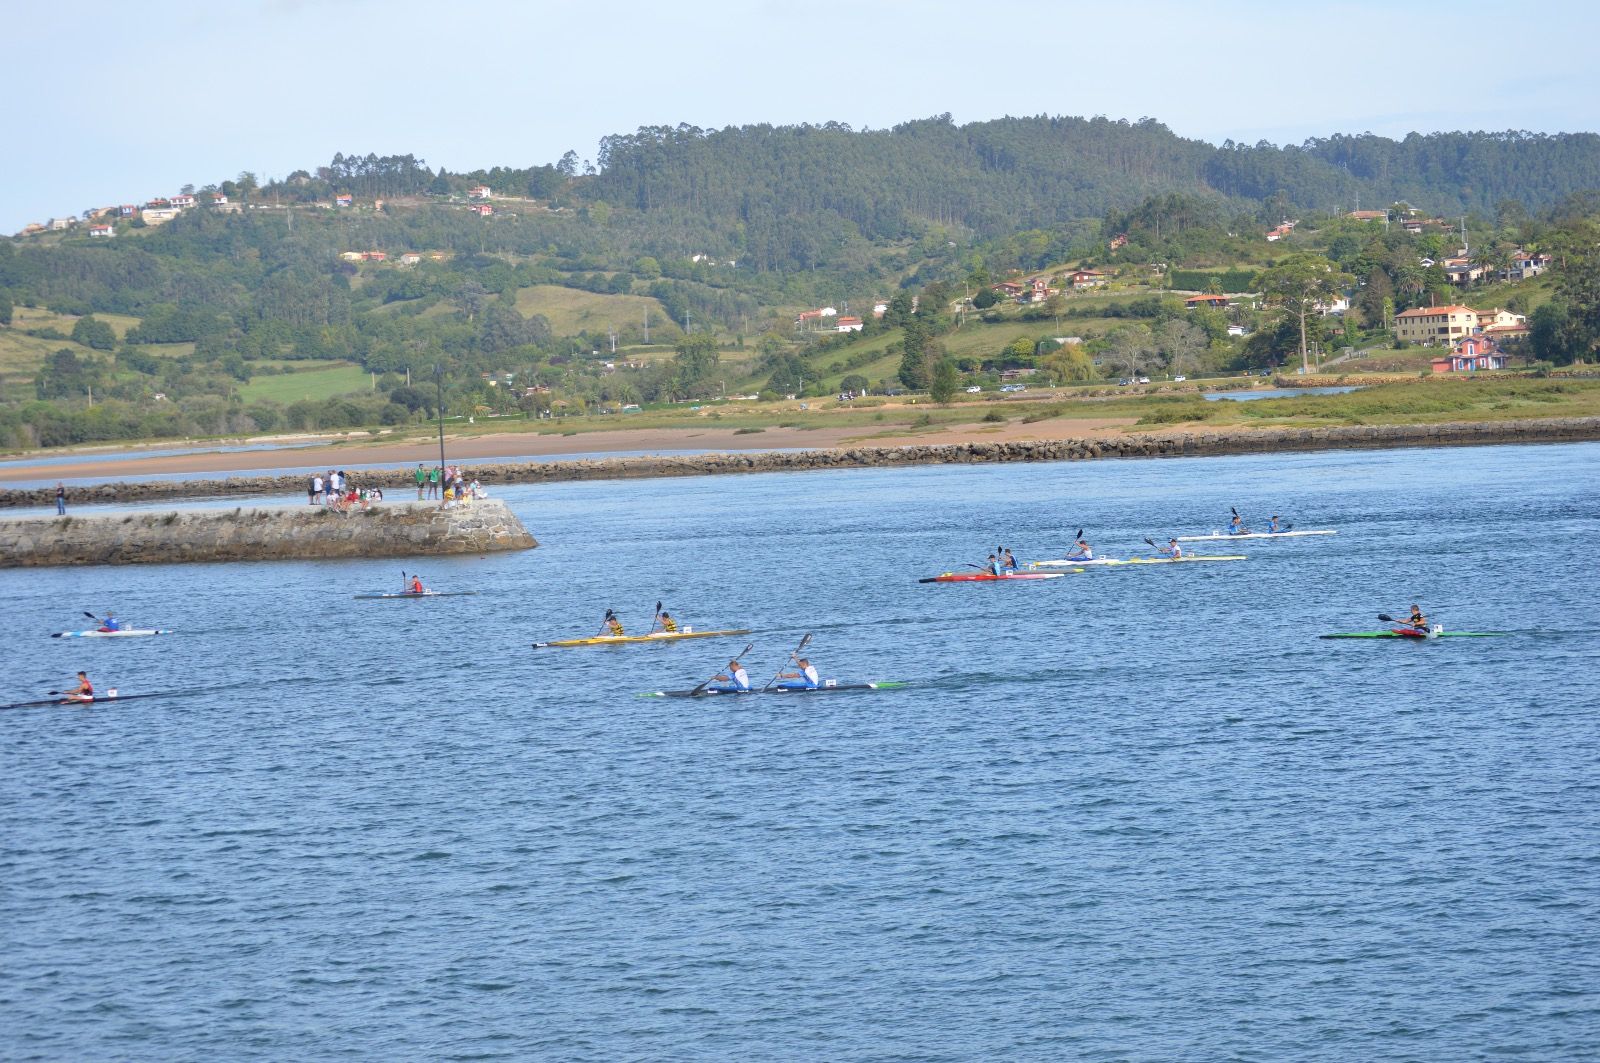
(1470, 355)
(482, 210)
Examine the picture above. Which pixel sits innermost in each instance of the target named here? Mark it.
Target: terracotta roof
(1430, 311)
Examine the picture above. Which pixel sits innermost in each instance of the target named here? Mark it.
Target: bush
(995, 417)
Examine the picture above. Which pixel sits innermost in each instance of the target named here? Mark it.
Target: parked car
(974, 389)
(1179, 379)
(1144, 380)
(1124, 382)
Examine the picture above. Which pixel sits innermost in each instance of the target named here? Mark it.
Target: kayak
(97, 699)
(125, 633)
(828, 687)
(1413, 634)
(1253, 535)
(1109, 562)
(987, 577)
(414, 594)
(659, 636)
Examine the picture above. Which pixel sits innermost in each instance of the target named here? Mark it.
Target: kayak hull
(836, 688)
(988, 577)
(126, 633)
(1412, 635)
(412, 594)
(1219, 536)
(628, 640)
(1112, 562)
(98, 699)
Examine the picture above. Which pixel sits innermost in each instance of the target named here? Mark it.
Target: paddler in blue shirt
(804, 679)
(1009, 559)
(736, 677)
(1082, 551)
(1236, 526)
(110, 623)
(993, 567)
(1273, 526)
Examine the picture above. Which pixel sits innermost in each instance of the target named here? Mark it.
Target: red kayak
(1410, 632)
(988, 577)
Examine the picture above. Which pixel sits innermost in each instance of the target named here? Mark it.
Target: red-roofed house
(374, 256)
(101, 230)
(480, 192)
(1435, 324)
(1080, 279)
(344, 199)
(848, 324)
(218, 199)
(1217, 301)
(183, 201)
(1470, 355)
(482, 210)
(127, 210)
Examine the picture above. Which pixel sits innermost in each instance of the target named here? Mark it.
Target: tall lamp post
(438, 380)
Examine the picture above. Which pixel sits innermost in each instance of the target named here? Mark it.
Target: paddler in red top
(83, 693)
(416, 584)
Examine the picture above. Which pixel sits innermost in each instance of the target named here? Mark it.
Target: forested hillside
(259, 306)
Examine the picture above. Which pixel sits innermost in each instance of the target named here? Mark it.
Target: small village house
(101, 230)
(218, 199)
(482, 210)
(352, 256)
(479, 192)
(1471, 355)
(158, 215)
(344, 199)
(848, 324)
(409, 258)
(127, 210)
(1214, 301)
(183, 201)
(57, 224)
(375, 256)
(1082, 279)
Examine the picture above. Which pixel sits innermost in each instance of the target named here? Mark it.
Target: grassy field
(571, 311)
(323, 383)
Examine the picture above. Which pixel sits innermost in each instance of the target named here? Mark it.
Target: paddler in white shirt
(805, 678)
(736, 677)
(1172, 549)
(1082, 551)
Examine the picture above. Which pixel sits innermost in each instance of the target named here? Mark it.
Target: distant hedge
(1199, 280)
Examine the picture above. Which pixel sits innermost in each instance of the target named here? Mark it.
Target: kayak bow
(659, 636)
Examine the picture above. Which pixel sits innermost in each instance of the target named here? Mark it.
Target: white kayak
(1112, 562)
(1252, 535)
(125, 633)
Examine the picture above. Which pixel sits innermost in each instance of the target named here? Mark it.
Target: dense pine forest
(678, 243)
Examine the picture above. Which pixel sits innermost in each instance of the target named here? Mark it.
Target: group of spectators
(451, 480)
(335, 491)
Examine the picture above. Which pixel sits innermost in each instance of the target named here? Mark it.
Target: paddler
(1273, 526)
(1236, 526)
(1416, 619)
(83, 692)
(1172, 549)
(804, 679)
(736, 677)
(110, 623)
(611, 626)
(668, 625)
(415, 586)
(1009, 559)
(993, 566)
(1081, 551)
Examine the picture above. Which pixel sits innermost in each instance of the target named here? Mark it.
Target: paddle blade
(1235, 512)
(1386, 618)
(1079, 535)
(803, 643)
(91, 616)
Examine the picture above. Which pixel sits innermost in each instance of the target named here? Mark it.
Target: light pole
(438, 380)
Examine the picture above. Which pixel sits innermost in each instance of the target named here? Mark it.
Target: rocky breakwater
(262, 534)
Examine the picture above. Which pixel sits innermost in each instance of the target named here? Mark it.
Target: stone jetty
(267, 533)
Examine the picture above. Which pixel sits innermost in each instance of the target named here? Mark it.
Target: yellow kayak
(659, 636)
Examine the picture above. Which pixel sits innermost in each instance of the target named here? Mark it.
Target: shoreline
(1171, 443)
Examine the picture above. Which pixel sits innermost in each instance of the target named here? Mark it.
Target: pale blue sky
(113, 102)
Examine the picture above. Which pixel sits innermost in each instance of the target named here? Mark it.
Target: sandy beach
(507, 446)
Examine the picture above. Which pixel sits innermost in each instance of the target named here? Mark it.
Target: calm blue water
(1125, 815)
(1276, 393)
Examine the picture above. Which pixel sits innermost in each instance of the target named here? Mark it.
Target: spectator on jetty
(314, 489)
(61, 499)
(433, 481)
(422, 480)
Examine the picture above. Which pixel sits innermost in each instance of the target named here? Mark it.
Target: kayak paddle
(610, 616)
(708, 682)
(792, 657)
(654, 620)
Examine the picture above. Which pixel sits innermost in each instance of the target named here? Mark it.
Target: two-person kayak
(828, 686)
(1114, 562)
(1217, 536)
(654, 636)
(989, 577)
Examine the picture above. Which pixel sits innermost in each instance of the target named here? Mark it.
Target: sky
(111, 102)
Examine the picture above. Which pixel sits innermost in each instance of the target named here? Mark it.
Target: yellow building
(1435, 324)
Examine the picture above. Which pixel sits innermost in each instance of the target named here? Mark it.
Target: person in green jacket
(422, 480)
(433, 482)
